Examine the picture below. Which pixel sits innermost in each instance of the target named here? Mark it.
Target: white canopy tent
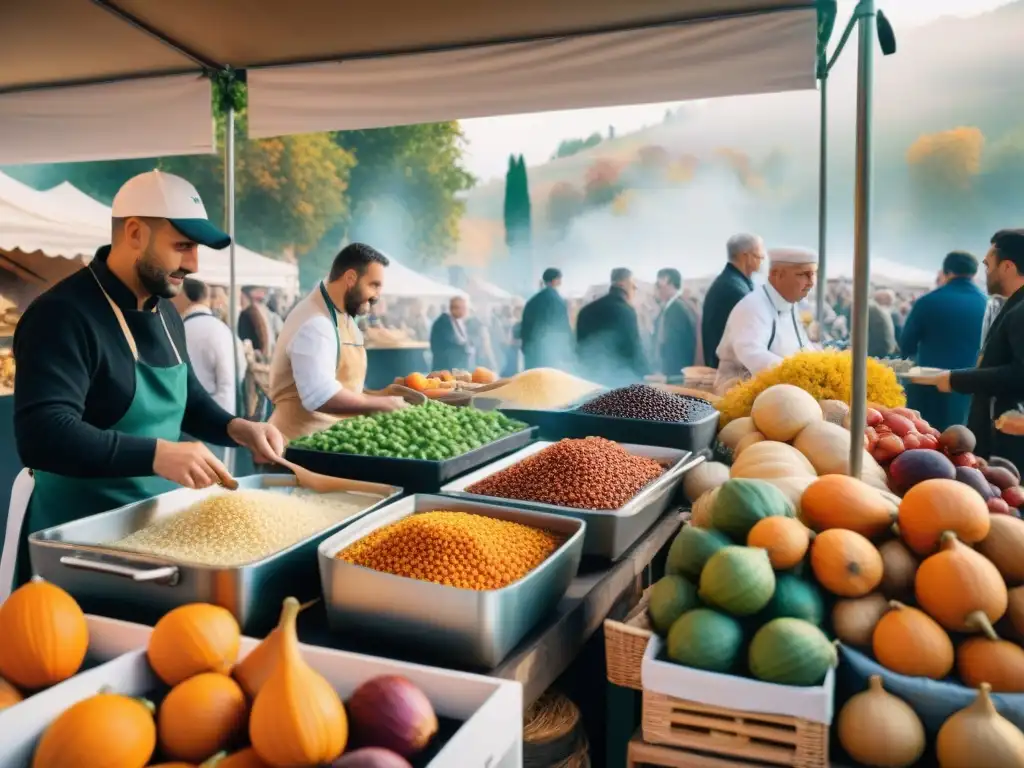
(79, 210)
(401, 282)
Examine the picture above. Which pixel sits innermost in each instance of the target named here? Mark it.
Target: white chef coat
(313, 351)
(209, 342)
(762, 329)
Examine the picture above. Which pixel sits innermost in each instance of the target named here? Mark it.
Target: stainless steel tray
(470, 628)
(611, 532)
(142, 588)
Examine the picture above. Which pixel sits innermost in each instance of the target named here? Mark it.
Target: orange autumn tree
(944, 170)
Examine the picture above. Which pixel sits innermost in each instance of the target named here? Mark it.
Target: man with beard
(104, 385)
(996, 385)
(319, 365)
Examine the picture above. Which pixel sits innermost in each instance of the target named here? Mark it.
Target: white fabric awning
(401, 282)
(81, 79)
(745, 55)
(139, 118)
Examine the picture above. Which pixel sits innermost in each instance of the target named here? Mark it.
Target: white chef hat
(792, 256)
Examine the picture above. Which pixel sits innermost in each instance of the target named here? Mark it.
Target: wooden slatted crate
(764, 739)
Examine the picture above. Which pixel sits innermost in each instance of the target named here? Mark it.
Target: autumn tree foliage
(948, 159)
(603, 182)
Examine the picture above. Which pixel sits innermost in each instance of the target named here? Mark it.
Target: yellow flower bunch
(827, 375)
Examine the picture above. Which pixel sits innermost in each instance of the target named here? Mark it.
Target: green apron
(156, 411)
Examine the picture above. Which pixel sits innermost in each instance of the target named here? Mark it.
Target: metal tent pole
(229, 214)
(822, 204)
(862, 231)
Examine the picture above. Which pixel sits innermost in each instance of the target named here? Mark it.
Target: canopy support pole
(822, 205)
(866, 13)
(229, 215)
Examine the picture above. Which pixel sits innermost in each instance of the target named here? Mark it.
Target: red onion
(391, 712)
(371, 757)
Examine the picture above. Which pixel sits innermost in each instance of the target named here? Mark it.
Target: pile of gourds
(287, 712)
(43, 640)
(742, 584)
(789, 440)
(930, 584)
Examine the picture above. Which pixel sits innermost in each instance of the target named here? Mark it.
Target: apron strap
(126, 331)
(334, 316)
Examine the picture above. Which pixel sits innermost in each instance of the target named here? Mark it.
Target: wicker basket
(625, 643)
(553, 734)
(733, 733)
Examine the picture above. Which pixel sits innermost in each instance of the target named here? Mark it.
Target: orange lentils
(456, 549)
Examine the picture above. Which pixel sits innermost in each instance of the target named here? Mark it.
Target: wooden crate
(640, 754)
(624, 645)
(733, 733)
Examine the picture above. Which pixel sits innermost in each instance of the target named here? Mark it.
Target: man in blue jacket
(943, 331)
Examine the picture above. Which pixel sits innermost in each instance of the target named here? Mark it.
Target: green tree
(518, 219)
(570, 147)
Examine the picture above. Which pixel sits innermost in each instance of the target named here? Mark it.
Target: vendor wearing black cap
(104, 388)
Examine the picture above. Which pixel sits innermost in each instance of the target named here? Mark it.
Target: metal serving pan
(415, 475)
(446, 624)
(695, 436)
(611, 532)
(142, 588)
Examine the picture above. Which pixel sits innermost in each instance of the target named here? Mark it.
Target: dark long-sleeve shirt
(723, 294)
(75, 378)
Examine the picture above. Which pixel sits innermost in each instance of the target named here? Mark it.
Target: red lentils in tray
(592, 473)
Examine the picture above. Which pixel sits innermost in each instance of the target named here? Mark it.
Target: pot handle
(165, 574)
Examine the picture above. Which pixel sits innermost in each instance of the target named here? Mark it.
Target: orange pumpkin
(911, 642)
(934, 506)
(9, 695)
(785, 539)
(191, 639)
(1004, 546)
(44, 636)
(841, 501)
(959, 588)
(845, 563)
(98, 732)
(201, 716)
(988, 659)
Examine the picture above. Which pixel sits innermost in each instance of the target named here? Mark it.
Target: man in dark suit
(608, 335)
(943, 330)
(996, 385)
(746, 254)
(545, 330)
(450, 343)
(675, 329)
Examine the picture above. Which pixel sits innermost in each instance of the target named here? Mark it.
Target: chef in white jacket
(764, 327)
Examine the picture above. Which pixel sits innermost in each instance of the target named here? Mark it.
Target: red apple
(966, 459)
(907, 413)
(883, 429)
(997, 506)
(873, 417)
(934, 432)
(1014, 496)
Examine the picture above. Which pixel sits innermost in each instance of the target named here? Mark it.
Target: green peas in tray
(431, 432)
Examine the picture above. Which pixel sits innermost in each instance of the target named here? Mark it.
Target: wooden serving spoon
(318, 483)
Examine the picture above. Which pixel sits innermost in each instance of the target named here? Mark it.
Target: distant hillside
(953, 72)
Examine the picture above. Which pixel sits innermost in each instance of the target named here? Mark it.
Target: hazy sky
(536, 136)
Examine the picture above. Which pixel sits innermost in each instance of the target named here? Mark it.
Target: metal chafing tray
(142, 588)
(447, 624)
(611, 532)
